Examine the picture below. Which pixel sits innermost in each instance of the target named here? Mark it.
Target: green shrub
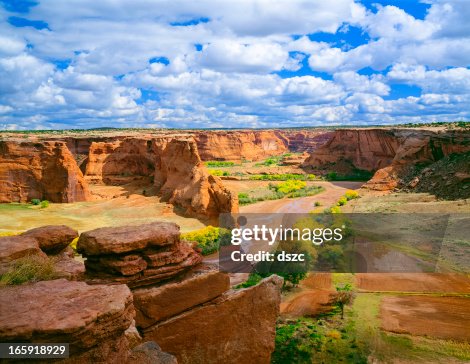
(242, 195)
(297, 342)
(219, 164)
(35, 201)
(31, 268)
(44, 204)
(253, 280)
(317, 203)
(342, 201)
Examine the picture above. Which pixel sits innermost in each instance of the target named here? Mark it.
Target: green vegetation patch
(219, 164)
(287, 189)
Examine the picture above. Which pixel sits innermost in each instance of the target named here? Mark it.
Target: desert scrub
(35, 201)
(290, 186)
(31, 268)
(219, 164)
(208, 239)
(218, 172)
(351, 195)
(44, 204)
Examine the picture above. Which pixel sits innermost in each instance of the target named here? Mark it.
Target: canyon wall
(48, 170)
(364, 149)
(238, 145)
(420, 151)
(254, 145)
(174, 165)
(41, 170)
(393, 155)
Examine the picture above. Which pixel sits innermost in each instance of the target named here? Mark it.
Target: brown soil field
(438, 317)
(312, 299)
(413, 282)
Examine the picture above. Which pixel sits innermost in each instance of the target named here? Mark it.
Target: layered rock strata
(236, 327)
(136, 255)
(92, 319)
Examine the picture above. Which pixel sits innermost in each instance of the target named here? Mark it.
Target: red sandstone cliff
(390, 153)
(418, 148)
(238, 145)
(174, 163)
(256, 145)
(42, 170)
(182, 179)
(365, 149)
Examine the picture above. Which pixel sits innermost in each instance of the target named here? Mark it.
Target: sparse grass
(31, 268)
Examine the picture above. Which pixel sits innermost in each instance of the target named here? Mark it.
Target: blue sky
(247, 63)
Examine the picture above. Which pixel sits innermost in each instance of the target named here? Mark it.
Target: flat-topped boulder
(125, 239)
(136, 255)
(62, 311)
(52, 238)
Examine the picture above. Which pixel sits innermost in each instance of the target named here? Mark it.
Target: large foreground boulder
(237, 327)
(92, 319)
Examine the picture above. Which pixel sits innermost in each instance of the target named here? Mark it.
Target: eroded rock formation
(182, 179)
(396, 156)
(41, 170)
(417, 150)
(187, 306)
(362, 149)
(92, 319)
(136, 255)
(42, 244)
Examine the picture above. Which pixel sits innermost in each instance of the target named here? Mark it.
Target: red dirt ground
(438, 317)
(413, 282)
(313, 298)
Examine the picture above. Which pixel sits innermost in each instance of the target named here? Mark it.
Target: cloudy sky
(227, 63)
